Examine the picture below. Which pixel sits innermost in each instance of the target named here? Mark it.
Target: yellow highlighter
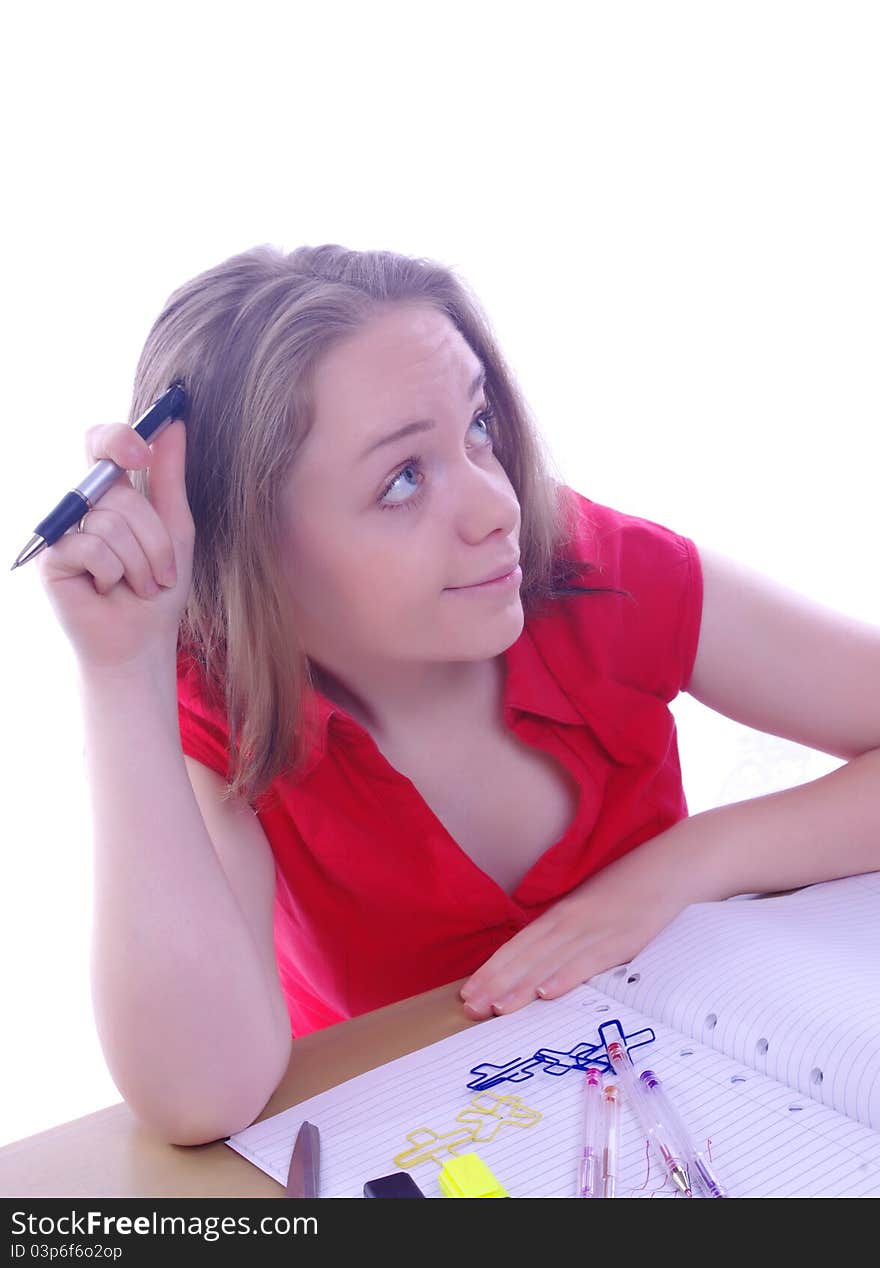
(467, 1176)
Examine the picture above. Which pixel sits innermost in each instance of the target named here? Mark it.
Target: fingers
(124, 536)
(508, 953)
(126, 540)
(572, 972)
(505, 994)
(118, 442)
(543, 967)
(167, 482)
(551, 929)
(165, 458)
(505, 984)
(547, 979)
(160, 524)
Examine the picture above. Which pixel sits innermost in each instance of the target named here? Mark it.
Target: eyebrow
(421, 424)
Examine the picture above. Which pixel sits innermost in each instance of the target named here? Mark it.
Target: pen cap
(621, 1063)
(178, 401)
(398, 1185)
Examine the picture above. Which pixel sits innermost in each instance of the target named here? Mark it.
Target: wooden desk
(111, 1154)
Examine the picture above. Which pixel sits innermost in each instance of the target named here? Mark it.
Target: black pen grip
(68, 512)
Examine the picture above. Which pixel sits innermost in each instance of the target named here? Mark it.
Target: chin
(490, 639)
(516, 625)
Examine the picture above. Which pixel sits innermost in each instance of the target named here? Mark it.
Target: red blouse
(374, 899)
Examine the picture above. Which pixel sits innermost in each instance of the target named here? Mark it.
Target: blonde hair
(245, 337)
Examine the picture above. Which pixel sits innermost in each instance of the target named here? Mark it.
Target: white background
(668, 210)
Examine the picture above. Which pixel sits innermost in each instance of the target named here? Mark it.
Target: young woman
(374, 702)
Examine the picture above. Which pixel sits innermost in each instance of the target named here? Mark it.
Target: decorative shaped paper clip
(555, 1061)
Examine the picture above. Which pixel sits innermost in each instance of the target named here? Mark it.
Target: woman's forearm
(195, 1035)
(827, 828)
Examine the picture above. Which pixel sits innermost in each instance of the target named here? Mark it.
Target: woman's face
(380, 530)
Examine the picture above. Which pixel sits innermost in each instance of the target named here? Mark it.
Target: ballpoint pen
(590, 1171)
(696, 1157)
(74, 505)
(646, 1112)
(611, 1106)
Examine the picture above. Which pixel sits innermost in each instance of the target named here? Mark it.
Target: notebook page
(787, 985)
(410, 1111)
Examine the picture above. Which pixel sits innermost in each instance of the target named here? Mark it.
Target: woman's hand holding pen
(119, 586)
(604, 922)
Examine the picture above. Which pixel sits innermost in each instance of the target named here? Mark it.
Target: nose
(484, 501)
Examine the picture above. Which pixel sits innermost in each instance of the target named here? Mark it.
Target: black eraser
(398, 1185)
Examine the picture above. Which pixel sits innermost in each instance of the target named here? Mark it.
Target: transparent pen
(696, 1158)
(590, 1172)
(646, 1111)
(611, 1105)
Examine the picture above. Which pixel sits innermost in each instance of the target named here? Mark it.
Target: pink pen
(590, 1172)
(651, 1122)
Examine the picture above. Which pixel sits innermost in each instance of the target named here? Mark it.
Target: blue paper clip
(556, 1062)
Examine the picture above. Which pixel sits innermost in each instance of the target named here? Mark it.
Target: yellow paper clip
(467, 1176)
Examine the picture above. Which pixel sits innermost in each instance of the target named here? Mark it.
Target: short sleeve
(203, 733)
(649, 639)
(691, 616)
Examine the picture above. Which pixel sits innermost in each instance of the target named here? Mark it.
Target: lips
(502, 571)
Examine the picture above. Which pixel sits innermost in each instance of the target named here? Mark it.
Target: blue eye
(414, 464)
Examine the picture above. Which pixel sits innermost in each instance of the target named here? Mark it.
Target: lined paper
(789, 986)
(764, 1139)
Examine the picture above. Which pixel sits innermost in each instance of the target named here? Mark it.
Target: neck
(432, 700)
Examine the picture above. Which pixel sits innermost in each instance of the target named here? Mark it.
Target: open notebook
(765, 1017)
